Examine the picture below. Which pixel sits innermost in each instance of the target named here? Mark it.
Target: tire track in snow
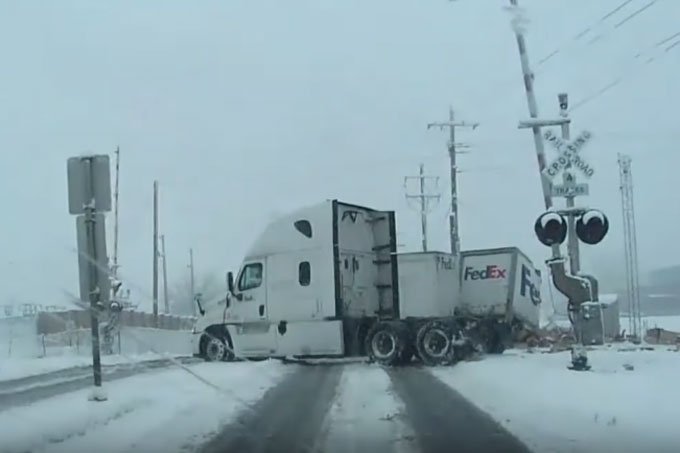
(366, 416)
(445, 421)
(288, 418)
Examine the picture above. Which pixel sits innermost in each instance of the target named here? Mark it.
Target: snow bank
(45, 353)
(19, 368)
(162, 411)
(365, 406)
(553, 409)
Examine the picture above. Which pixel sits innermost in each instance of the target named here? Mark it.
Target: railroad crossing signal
(570, 188)
(568, 154)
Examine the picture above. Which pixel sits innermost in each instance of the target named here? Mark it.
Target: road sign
(100, 261)
(89, 175)
(570, 190)
(568, 154)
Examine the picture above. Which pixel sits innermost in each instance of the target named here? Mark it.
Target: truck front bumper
(196, 343)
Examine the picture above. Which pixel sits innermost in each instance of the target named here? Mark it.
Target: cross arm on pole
(442, 125)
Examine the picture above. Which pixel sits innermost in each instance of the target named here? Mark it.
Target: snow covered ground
(28, 357)
(143, 413)
(16, 368)
(553, 409)
(366, 412)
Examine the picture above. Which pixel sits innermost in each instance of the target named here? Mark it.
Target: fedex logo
(528, 286)
(491, 271)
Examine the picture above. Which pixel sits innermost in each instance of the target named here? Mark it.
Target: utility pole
(115, 222)
(453, 217)
(632, 276)
(191, 275)
(155, 252)
(424, 199)
(165, 276)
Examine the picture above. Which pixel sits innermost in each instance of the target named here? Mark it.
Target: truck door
(248, 320)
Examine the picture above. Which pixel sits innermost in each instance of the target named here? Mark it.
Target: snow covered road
(165, 411)
(515, 402)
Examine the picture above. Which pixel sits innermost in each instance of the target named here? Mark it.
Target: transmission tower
(424, 199)
(632, 276)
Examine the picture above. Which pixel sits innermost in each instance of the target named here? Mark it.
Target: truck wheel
(216, 345)
(434, 343)
(215, 350)
(385, 343)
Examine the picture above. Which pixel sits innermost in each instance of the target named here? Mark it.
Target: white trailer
(500, 290)
(326, 281)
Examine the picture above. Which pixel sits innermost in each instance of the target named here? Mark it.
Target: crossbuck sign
(568, 154)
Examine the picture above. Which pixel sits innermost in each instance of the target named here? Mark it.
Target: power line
(636, 63)
(584, 32)
(639, 11)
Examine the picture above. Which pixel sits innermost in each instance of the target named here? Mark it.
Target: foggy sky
(244, 109)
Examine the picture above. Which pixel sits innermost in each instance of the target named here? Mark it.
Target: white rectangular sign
(89, 179)
(572, 190)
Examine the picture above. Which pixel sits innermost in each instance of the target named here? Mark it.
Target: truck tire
(216, 345)
(214, 350)
(434, 343)
(385, 343)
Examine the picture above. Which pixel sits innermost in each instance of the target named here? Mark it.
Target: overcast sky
(243, 109)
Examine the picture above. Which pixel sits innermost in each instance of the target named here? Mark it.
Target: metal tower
(632, 275)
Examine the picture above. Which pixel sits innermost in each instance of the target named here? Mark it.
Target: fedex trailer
(500, 292)
(327, 281)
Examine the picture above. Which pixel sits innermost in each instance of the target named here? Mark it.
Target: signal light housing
(592, 227)
(551, 229)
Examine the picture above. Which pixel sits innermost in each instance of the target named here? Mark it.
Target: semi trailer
(327, 281)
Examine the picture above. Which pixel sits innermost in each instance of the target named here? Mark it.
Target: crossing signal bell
(551, 229)
(592, 227)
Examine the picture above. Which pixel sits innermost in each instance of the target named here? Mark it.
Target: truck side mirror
(551, 229)
(592, 227)
(230, 282)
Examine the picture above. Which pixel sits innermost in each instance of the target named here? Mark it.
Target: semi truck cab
(305, 274)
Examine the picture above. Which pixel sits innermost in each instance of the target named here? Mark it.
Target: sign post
(567, 160)
(89, 195)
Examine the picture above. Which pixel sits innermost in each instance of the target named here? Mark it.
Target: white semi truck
(327, 281)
